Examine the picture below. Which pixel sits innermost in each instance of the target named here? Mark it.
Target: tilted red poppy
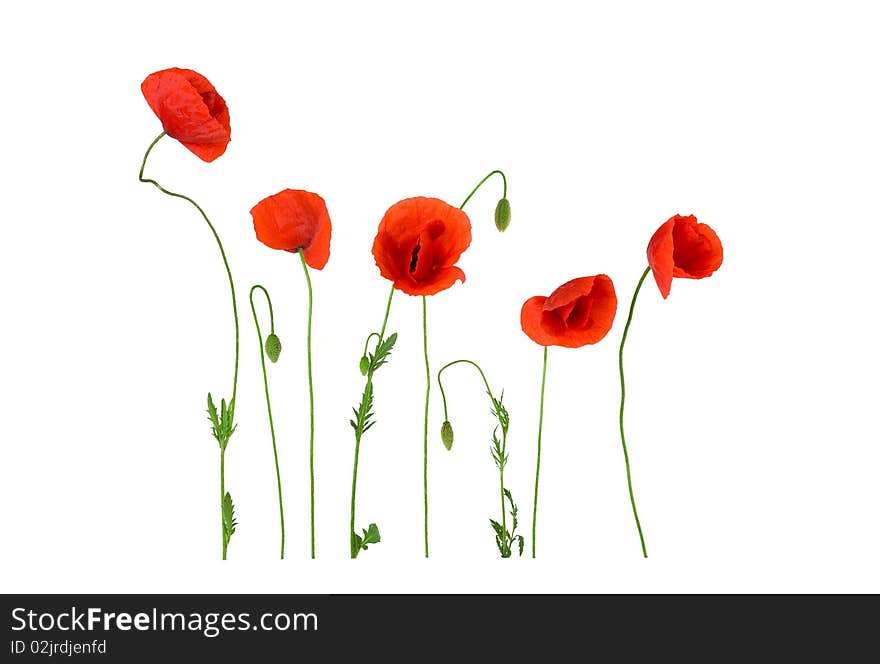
(190, 110)
(683, 247)
(577, 313)
(294, 218)
(418, 243)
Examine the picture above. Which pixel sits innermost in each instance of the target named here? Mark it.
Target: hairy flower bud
(502, 215)
(446, 434)
(273, 347)
(365, 365)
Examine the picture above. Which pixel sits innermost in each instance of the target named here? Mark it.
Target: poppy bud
(365, 365)
(502, 215)
(273, 347)
(446, 434)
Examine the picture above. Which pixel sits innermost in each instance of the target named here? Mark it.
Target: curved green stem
(311, 403)
(367, 342)
(632, 498)
(234, 305)
(440, 382)
(359, 431)
(538, 463)
(268, 401)
(427, 397)
(480, 184)
(504, 430)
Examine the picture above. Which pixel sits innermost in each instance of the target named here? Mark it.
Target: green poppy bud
(502, 215)
(446, 434)
(365, 365)
(273, 347)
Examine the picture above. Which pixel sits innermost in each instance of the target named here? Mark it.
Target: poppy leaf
(229, 522)
(371, 535)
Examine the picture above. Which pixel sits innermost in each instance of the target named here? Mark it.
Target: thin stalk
(268, 401)
(427, 397)
(538, 463)
(632, 498)
(222, 494)
(480, 184)
(234, 305)
(311, 403)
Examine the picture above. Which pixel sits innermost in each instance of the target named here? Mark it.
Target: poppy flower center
(423, 258)
(212, 101)
(579, 316)
(414, 260)
(692, 251)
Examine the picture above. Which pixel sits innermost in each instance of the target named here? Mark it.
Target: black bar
(422, 628)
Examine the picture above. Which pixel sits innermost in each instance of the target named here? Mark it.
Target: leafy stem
(632, 498)
(363, 421)
(266, 389)
(504, 539)
(221, 433)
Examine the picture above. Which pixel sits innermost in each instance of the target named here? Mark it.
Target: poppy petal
(418, 243)
(440, 281)
(697, 251)
(318, 252)
(295, 219)
(683, 247)
(660, 252)
(578, 313)
(190, 109)
(530, 318)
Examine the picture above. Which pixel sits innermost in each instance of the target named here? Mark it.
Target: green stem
(268, 401)
(480, 184)
(367, 342)
(501, 473)
(503, 432)
(538, 463)
(427, 397)
(311, 403)
(632, 498)
(359, 432)
(222, 495)
(440, 382)
(231, 289)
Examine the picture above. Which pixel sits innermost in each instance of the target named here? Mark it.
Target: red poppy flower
(190, 110)
(294, 219)
(418, 243)
(577, 313)
(682, 247)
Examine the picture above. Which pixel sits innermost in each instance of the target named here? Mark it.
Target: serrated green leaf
(229, 522)
(522, 543)
(383, 350)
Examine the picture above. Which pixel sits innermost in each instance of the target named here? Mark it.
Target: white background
(752, 395)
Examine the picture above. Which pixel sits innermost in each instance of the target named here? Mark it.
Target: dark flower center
(212, 101)
(414, 260)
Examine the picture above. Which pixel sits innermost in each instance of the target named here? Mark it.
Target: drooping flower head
(190, 110)
(683, 247)
(578, 313)
(294, 219)
(418, 243)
